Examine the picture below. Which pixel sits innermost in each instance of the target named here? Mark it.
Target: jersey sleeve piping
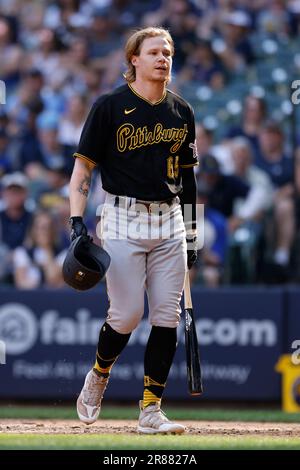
(79, 155)
(190, 165)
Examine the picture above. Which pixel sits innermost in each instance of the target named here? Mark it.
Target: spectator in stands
(4, 119)
(11, 55)
(293, 9)
(14, 220)
(38, 263)
(56, 177)
(224, 189)
(260, 197)
(246, 225)
(76, 63)
(273, 19)
(63, 15)
(204, 139)
(46, 55)
(93, 79)
(205, 145)
(209, 267)
(70, 126)
(61, 211)
(126, 14)
(29, 144)
(30, 90)
(5, 164)
(254, 115)
(103, 40)
(235, 50)
(14, 217)
(280, 169)
(52, 153)
(203, 66)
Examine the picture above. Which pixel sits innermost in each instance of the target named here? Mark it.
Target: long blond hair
(134, 43)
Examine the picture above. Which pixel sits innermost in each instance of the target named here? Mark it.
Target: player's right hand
(78, 228)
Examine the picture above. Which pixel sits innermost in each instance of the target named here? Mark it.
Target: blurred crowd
(57, 57)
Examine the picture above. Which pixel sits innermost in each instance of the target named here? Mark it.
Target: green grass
(125, 412)
(134, 442)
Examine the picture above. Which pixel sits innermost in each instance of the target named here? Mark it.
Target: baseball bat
(191, 343)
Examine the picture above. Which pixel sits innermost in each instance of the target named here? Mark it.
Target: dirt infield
(25, 426)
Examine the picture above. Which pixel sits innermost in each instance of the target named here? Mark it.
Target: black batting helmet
(85, 264)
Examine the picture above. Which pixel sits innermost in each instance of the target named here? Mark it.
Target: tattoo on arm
(84, 185)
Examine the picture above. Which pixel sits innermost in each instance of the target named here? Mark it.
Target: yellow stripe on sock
(101, 369)
(148, 381)
(149, 398)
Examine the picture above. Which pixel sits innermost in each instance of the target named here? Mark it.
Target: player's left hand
(191, 251)
(191, 258)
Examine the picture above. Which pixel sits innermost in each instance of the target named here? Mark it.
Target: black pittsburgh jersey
(140, 147)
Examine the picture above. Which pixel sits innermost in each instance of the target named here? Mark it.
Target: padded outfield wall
(50, 339)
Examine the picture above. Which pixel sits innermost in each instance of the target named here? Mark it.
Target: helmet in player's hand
(85, 263)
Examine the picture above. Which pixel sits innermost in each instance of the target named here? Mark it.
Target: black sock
(110, 345)
(158, 359)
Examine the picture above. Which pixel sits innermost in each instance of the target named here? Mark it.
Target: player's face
(154, 61)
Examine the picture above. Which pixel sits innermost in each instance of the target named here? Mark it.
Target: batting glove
(78, 228)
(191, 251)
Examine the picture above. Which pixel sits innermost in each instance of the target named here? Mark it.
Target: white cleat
(89, 400)
(152, 420)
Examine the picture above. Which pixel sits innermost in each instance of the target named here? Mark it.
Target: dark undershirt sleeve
(188, 153)
(188, 195)
(188, 201)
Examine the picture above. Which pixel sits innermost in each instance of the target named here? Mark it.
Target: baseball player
(141, 137)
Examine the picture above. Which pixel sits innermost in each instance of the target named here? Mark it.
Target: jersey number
(173, 167)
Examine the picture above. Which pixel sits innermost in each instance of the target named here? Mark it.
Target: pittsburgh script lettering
(130, 138)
